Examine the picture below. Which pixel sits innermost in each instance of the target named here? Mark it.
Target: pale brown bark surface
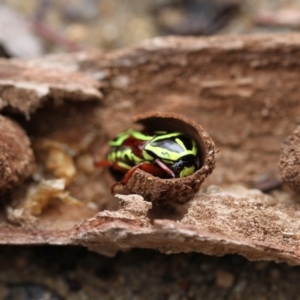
(244, 92)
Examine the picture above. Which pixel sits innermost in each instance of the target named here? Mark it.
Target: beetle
(160, 153)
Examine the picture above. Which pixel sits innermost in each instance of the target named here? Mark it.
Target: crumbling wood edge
(109, 232)
(180, 239)
(25, 85)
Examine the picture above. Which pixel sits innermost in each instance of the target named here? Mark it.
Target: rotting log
(243, 90)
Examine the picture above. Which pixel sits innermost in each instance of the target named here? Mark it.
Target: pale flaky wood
(244, 91)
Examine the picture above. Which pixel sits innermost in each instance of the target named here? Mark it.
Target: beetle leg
(102, 163)
(114, 165)
(164, 167)
(158, 170)
(125, 178)
(152, 169)
(129, 173)
(149, 168)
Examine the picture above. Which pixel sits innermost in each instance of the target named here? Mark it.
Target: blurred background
(35, 27)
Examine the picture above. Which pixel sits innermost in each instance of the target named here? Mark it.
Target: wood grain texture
(243, 90)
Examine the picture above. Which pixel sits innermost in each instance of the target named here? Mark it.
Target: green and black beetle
(160, 153)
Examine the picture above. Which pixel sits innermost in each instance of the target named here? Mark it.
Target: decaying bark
(25, 85)
(243, 90)
(289, 163)
(16, 155)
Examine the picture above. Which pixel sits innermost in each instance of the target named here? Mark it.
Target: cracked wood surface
(242, 90)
